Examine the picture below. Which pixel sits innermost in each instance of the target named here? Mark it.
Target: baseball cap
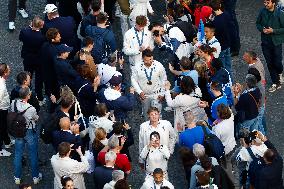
(49, 8)
(116, 79)
(63, 48)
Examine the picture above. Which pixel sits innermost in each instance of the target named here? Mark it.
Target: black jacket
(102, 175)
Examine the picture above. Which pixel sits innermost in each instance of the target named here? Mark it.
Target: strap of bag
(257, 104)
(77, 106)
(251, 153)
(16, 109)
(205, 132)
(82, 87)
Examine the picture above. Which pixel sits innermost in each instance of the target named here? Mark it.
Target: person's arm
(172, 102)
(194, 169)
(134, 81)
(172, 138)
(110, 39)
(130, 138)
(80, 167)
(165, 151)
(280, 30)
(128, 102)
(259, 25)
(127, 165)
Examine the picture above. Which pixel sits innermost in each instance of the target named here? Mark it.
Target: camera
(247, 135)
(156, 33)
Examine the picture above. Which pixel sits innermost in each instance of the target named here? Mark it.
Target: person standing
(63, 165)
(4, 106)
(31, 138)
(12, 8)
(157, 181)
(148, 79)
(32, 40)
(270, 22)
(136, 40)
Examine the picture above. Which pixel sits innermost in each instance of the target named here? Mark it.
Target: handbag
(81, 119)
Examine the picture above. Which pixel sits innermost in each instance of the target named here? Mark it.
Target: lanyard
(137, 37)
(155, 185)
(149, 77)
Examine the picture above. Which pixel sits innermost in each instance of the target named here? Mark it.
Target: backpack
(186, 28)
(101, 50)
(16, 122)
(49, 125)
(213, 145)
(254, 167)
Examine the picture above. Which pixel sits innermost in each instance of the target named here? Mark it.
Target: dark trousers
(4, 137)
(273, 58)
(12, 7)
(230, 7)
(34, 69)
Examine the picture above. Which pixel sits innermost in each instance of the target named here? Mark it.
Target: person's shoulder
(165, 122)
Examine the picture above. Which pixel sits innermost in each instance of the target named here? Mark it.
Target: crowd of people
(81, 97)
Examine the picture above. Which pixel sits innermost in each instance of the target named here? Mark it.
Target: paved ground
(10, 53)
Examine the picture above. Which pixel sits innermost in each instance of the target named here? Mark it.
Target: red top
(121, 161)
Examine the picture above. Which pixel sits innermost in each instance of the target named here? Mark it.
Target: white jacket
(140, 7)
(150, 184)
(4, 95)
(109, 185)
(131, 46)
(96, 122)
(69, 167)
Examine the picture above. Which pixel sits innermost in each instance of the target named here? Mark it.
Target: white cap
(49, 8)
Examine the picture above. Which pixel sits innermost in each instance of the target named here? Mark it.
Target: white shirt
(164, 128)
(131, 45)
(96, 122)
(214, 43)
(30, 115)
(155, 158)
(258, 151)
(69, 167)
(139, 78)
(150, 184)
(4, 95)
(225, 132)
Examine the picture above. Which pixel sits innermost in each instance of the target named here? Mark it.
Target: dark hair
(203, 177)
(67, 101)
(158, 171)
(164, 187)
(255, 72)
(121, 184)
(216, 86)
(24, 186)
(216, 5)
(22, 77)
(101, 109)
(178, 10)
(51, 34)
(216, 64)
(87, 41)
(186, 64)
(24, 92)
(207, 49)
(156, 134)
(141, 20)
(210, 25)
(153, 109)
(269, 155)
(251, 81)
(205, 162)
(117, 127)
(63, 149)
(187, 85)
(96, 5)
(187, 157)
(147, 53)
(154, 24)
(224, 111)
(252, 54)
(3, 69)
(64, 180)
(102, 18)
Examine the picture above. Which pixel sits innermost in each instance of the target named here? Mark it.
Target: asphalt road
(250, 39)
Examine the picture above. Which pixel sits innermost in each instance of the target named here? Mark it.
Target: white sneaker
(281, 79)
(12, 142)
(4, 153)
(37, 179)
(12, 26)
(17, 181)
(23, 13)
(274, 87)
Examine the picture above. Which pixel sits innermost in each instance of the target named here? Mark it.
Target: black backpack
(213, 145)
(16, 122)
(49, 125)
(254, 167)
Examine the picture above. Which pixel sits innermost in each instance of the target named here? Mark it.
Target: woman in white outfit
(187, 100)
(155, 156)
(139, 7)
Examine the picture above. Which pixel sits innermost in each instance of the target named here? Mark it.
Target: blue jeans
(225, 57)
(31, 139)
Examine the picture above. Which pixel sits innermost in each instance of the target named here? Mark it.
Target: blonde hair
(201, 68)
(100, 134)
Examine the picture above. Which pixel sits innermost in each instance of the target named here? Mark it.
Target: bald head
(64, 123)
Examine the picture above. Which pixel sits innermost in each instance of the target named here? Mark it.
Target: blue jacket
(218, 100)
(88, 20)
(67, 29)
(120, 105)
(32, 42)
